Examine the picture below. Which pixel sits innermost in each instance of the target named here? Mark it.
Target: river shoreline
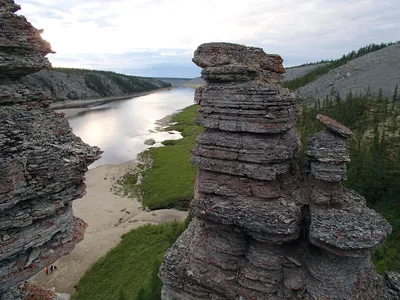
(87, 103)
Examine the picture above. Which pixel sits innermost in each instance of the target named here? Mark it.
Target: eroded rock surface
(42, 163)
(260, 229)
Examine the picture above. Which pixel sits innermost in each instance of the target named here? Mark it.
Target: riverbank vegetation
(129, 271)
(169, 182)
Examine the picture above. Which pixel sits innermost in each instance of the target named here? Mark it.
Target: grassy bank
(129, 271)
(169, 182)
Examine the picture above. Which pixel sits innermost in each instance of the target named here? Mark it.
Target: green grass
(129, 271)
(169, 182)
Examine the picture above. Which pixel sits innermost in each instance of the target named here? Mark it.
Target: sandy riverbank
(108, 216)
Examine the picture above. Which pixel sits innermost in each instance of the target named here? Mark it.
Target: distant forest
(374, 170)
(332, 64)
(104, 83)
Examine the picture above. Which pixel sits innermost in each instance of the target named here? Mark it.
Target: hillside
(295, 72)
(195, 82)
(73, 84)
(173, 81)
(291, 73)
(379, 69)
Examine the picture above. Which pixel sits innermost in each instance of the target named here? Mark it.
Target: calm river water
(120, 128)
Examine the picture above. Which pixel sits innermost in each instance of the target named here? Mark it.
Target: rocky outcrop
(260, 229)
(42, 163)
(74, 84)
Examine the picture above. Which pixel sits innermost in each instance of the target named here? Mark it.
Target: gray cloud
(154, 37)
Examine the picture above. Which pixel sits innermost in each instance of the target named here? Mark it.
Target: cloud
(116, 34)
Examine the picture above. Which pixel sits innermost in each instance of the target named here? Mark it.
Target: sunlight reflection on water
(120, 128)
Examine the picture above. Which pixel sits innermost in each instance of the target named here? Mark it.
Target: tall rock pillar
(244, 209)
(42, 163)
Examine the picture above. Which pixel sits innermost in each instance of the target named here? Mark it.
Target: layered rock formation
(260, 230)
(42, 163)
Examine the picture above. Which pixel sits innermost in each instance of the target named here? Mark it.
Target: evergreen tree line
(333, 64)
(374, 170)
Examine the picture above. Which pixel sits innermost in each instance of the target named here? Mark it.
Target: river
(121, 127)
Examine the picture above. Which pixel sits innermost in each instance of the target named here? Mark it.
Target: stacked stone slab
(42, 163)
(260, 230)
(341, 225)
(244, 210)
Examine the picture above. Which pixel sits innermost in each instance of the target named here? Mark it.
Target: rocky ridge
(42, 163)
(373, 71)
(260, 229)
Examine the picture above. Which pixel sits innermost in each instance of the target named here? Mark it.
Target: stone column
(243, 208)
(343, 229)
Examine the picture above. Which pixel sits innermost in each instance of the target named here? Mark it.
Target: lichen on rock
(261, 230)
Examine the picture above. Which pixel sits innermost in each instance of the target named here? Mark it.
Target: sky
(157, 38)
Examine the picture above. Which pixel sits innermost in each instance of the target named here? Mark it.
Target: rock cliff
(42, 163)
(261, 230)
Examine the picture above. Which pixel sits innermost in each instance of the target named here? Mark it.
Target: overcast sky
(157, 38)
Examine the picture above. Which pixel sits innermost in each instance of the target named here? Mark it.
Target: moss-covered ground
(169, 182)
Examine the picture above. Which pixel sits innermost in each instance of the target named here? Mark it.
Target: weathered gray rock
(276, 221)
(334, 126)
(22, 50)
(354, 232)
(220, 54)
(326, 147)
(260, 230)
(239, 73)
(42, 163)
(393, 279)
(260, 149)
(247, 107)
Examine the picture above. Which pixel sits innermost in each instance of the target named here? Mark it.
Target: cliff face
(73, 84)
(42, 163)
(260, 230)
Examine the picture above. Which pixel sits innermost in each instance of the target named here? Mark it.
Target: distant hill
(291, 73)
(295, 72)
(373, 71)
(195, 82)
(74, 84)
(173, 81)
